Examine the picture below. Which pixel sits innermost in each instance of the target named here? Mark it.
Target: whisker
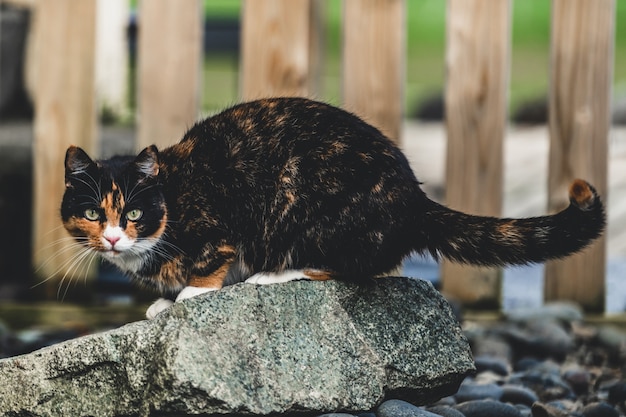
(132, 194)
(72, 240)
(93, 256)
(62, 251)
(73, 266)
(98, 194)
(54, 229)
(60, 267)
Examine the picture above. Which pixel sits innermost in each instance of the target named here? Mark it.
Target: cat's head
(114, 206)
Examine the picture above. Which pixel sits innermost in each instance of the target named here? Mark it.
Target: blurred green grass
(426, 20)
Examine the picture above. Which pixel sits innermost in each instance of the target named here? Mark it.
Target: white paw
(266, 278)
(189, 292)
(158, 306)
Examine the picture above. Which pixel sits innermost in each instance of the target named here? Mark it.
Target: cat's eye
(134, 215)
(92, 214)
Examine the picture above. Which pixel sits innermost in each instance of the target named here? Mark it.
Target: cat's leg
(207, 277)
(266, 278)
(209, 272)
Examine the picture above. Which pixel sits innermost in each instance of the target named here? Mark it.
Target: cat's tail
(493, 241)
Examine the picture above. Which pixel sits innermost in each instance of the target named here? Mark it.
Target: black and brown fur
(290, 183)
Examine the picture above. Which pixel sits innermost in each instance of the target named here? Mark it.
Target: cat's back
(289, 124)
(287, 142)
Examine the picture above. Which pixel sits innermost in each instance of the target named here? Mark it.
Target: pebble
(526, 363)
(337, 415)
(493, 345)
(562, 311)
(613, 339)
(617, 393)
(541, 339)
(445, 411)
(493, 364)
(600, 409)
(547, 410)
(565, 405)
(487, 408)
(516, 394)
(399, 408)
(524, 410)
(579, 379)
(546, 383)
(471, 390)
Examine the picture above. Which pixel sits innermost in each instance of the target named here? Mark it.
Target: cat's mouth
(111, 252)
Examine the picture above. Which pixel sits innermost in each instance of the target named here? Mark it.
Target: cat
(288, 188)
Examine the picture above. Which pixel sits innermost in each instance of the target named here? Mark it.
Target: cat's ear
(147, 162)
(76, 161)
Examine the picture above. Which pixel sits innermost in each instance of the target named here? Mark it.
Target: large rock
(295, 347)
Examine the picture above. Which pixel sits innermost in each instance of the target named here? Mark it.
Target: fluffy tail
(493, 241)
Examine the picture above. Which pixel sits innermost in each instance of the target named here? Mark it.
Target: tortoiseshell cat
(287, 188)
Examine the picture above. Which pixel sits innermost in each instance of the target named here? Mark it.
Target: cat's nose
(112, 240)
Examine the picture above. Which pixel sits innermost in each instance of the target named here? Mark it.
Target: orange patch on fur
(171, 274)
(184, 148)
(317, 275)
(247, 125)
(238, 113)
(131, 230)
(81, 227)
(509, 231)
(378, 187)
(112, 208)
(214, 280)
(580, 193)
(268, 103)
(227, 250)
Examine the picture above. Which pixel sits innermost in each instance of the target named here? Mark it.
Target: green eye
(92, 214)
(134, 215)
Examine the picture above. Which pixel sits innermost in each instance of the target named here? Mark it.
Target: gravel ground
(535, 362)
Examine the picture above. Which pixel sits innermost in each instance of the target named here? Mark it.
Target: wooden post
(64, 114)
(374, 61)
(477, 65)
(170, 62)
(277, 57)
(112, 56)
(580, 89)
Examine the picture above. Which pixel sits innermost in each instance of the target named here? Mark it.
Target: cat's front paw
(157, 307)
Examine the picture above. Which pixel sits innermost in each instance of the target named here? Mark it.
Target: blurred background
(116, 75)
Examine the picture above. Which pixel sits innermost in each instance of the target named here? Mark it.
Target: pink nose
(112, 239)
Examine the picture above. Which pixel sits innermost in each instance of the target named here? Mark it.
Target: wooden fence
(280, 56)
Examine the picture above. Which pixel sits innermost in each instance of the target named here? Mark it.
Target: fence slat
(374, 61)
(112, 56)
(477, 64)
(580, 89)
(64, 114)
(276, 55)
(169, 76)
